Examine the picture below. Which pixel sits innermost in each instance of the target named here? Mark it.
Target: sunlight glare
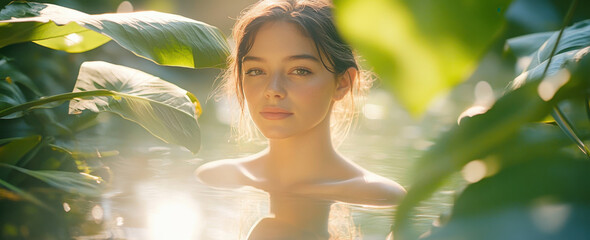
(225, 110)
(411, 132)
(97, 213)
(484, 94)
(523, 62)
(374, 111)
(551, 84)
(67, 207)
(73, 39)
(120, 221)
(175, 218)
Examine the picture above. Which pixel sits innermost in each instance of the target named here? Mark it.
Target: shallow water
(155, 196)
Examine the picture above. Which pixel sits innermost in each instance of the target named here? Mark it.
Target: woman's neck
(301, 157)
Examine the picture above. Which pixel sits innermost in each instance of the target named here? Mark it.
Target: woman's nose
(275, 88)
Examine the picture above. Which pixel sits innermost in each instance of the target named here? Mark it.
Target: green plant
(42, 167)
(535, 183)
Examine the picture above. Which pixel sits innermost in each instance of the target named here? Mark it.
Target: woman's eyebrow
(252, 58)
(290, 58)
(303, 56)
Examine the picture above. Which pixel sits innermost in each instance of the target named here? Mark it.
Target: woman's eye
(254, 72)
(301, 72)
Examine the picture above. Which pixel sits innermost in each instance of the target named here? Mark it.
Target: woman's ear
(344, 82)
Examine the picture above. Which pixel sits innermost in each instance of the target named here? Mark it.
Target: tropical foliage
(534, 176)
(45, 173)
(531, 144)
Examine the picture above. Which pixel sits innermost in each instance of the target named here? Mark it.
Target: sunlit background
(153, 194)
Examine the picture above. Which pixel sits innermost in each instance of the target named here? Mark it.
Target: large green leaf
(574, 37)
(420, 47)
(522, 46)
(557, 63)
(573, 45)
(487, 134)
(23, 194)
(542, 199)
(166, 39)
(68, 181)
(165, 110)
(51, 25)
(11, 93)
(9, 71)
(13, 149)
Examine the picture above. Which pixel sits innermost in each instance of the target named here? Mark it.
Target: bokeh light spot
(474, 171)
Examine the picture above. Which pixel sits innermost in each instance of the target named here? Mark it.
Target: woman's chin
(277, 134)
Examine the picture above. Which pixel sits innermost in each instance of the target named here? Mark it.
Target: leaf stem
(557, 114)
(568, 18)
(54, 98)
(567, 127)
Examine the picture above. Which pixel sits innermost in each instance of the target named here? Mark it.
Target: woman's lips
(274, 113)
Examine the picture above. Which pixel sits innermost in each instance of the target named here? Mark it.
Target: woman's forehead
(281, 39)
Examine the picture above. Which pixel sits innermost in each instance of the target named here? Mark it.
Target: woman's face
(287, 88)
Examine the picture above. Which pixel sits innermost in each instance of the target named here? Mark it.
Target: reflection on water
(174, 216)
(155, 196)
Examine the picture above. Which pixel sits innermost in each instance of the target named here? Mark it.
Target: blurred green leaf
(10, 95)
(16, 76)
(166, 39)
(13, 149)
(71, 182)
(421, 47)
(523, 46)
(23, 194)
(4, 3)
(52, 157)
(13, 83)
(162, 108)
(542, 139)
(489, 132)
(556, 175)
(32, 10)
(557, 63)
(542, 199)
(484, 134)
(574, 45)
(574, 37)
(551, 220)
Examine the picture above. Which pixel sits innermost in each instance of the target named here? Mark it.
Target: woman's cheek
(315, 99)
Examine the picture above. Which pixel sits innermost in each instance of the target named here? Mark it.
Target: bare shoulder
(356, 185)
(226, 173)
(380, 190)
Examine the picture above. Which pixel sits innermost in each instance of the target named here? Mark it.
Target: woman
(292, 73)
